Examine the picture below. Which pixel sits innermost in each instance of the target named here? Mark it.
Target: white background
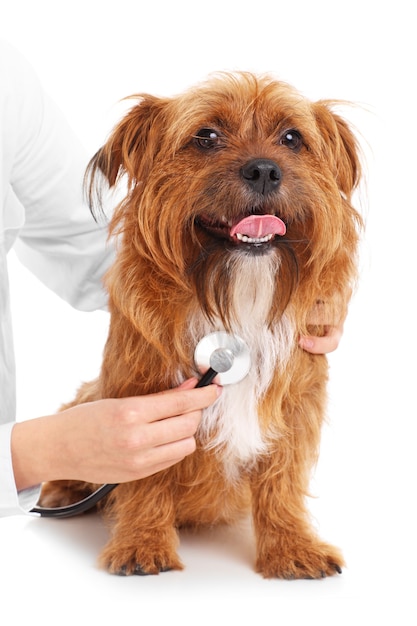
(91, 54)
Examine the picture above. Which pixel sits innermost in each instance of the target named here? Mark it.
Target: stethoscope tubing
(78, 507)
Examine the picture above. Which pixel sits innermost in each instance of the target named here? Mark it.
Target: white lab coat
(42, 214)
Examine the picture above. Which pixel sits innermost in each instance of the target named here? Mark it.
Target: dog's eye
(207, 139)
(292, 139)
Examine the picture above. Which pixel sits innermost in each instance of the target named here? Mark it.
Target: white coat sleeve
(59, 241)
(43, 213)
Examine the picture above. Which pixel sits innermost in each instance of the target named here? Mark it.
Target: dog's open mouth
(252, 229)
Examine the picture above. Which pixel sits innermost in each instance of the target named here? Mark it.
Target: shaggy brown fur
(196, 165)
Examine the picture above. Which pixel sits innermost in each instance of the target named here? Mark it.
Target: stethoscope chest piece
(225, 353)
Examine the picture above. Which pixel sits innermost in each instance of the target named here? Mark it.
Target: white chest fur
(231, 425)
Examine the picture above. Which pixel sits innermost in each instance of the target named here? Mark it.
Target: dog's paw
(299, 558)
(136, 560)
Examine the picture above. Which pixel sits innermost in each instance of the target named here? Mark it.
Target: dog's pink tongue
(259, 226)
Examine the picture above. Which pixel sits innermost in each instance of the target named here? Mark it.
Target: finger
(165, 456)
(169, 430)
(190, 383)
(322, 345)
(175, 402)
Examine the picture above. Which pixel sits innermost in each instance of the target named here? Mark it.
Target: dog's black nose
(263, 175)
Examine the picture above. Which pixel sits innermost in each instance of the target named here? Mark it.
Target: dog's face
(241, 167)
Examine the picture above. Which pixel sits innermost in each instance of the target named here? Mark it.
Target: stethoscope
(220, 355)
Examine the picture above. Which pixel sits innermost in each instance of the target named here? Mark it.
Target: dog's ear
(129, 150)
(340, 145)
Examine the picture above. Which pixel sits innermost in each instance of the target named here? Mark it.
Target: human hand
(325, 344)
(325, 333)
(111, 440)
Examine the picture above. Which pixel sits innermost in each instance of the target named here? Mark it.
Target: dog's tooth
(247, 239)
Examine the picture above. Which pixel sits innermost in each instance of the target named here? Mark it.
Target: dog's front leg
(287, 546)
(144, 538)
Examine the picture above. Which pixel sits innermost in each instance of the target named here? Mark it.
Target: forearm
(37, 452)
(109, 441)
(12, 501)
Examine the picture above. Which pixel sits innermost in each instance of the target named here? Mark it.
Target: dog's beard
(239, 283)
(246, 285)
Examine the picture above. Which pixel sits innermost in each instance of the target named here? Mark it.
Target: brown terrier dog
(237, 217)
